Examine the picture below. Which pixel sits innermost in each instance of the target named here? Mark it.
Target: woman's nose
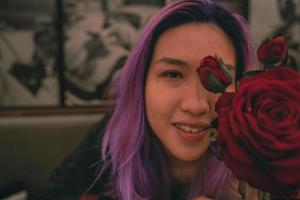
(196, 100)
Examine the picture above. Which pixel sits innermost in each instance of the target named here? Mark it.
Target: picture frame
(28, 51)
(64, 55)
(97, 45)
(80, 64)
(282, 19)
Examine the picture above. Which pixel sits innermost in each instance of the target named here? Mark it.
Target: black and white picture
(270, 18)
(27, 53)
(99, 35)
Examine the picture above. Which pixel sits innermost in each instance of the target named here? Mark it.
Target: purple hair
(130, 149)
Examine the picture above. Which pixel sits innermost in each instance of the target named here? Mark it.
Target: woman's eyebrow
(176, 61)
(171, 61)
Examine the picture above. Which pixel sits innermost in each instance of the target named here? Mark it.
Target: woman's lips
(191, 133)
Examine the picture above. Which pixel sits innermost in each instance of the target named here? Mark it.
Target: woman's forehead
(191, 42)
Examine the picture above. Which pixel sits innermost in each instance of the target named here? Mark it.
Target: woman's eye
(172, 74)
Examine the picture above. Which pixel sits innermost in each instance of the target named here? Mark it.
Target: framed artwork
(98, 38)
(59, 54)
(282, 18)
(27, 54)
(62, 54)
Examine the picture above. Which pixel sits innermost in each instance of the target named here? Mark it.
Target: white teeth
(188, 128)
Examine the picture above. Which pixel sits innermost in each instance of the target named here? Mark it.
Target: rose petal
(224, 100)
(286, 170)
(259, 130)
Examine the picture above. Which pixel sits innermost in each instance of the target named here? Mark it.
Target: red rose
(259, 130)
(273, 51)
(214, 74)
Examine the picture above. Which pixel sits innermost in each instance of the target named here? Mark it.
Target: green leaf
(215, 83)
(226, 71)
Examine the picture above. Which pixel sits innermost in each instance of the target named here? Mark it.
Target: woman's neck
(184, 171)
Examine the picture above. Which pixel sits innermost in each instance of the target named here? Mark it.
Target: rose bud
(273, 52)
(214, 74)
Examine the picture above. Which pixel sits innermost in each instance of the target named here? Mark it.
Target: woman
(156, 144)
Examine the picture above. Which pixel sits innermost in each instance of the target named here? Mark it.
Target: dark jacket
(77, 173)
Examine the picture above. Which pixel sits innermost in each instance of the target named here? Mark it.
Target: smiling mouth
(191, 134)
(189, 129)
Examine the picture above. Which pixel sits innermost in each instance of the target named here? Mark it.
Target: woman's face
(179, 109)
